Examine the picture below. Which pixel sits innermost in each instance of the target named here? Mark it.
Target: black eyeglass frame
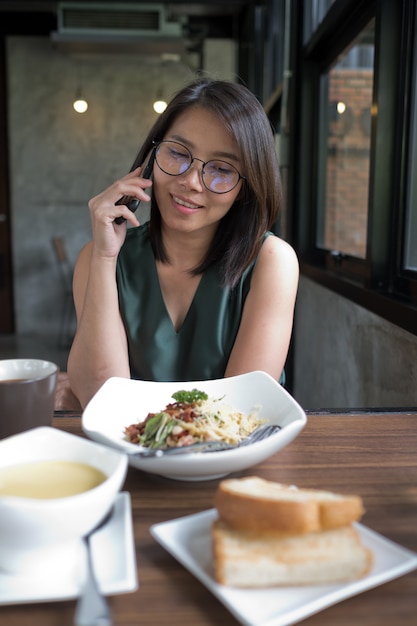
(156, 145)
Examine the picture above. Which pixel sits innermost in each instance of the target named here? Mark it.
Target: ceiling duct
(92, 26)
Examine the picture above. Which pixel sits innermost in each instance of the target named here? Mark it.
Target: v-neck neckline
(165, 308)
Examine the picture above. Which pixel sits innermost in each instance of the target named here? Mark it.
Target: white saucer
(114, 559)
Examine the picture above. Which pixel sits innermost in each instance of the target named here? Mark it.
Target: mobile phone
(131, 202)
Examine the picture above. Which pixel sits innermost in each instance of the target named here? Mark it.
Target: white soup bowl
(32, 530)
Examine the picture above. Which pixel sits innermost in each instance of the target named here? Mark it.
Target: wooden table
(373, 454)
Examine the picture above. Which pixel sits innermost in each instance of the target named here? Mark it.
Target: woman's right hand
(108, 236)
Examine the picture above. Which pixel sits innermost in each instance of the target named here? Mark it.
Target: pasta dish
(192, 418)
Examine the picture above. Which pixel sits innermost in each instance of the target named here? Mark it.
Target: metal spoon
(92, 608)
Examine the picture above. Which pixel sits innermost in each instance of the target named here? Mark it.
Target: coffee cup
(27, 394)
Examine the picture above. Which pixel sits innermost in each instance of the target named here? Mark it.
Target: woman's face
(184, 202)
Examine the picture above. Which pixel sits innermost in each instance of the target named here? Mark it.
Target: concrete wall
(346, 356)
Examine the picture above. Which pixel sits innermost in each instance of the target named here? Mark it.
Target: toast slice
(248, 559)
(264, 506)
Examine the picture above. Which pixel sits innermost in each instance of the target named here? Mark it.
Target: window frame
(378, 282)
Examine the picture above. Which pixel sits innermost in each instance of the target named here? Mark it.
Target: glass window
(314, 13)
(345, 147)
(274, 46)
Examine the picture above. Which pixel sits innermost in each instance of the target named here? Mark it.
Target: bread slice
(247, 559)
(264, 506)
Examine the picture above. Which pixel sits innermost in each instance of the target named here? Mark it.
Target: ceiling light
(159, 106)
(80, 104)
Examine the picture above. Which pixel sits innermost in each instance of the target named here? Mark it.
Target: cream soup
(49, 479)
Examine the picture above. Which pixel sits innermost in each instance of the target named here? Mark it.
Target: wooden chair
(65, 270)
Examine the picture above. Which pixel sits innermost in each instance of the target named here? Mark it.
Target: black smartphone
(131, 202)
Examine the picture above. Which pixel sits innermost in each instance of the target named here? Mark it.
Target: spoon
(92, 608)
(259, 434)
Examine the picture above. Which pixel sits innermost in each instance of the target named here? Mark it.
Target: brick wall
(347, 172)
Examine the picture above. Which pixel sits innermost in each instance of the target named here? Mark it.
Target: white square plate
(121, 402)
(114, 560)
(188, 539)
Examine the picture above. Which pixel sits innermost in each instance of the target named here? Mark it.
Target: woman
(203, 290)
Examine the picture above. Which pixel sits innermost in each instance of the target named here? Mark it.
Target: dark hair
(240, 234)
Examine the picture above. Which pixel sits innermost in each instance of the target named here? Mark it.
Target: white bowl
(31, 529)
(121, 402)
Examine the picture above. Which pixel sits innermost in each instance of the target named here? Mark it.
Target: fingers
(120, 200)
(128, 217)
(136, 185)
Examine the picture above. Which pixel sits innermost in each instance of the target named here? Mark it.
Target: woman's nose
(194, 173)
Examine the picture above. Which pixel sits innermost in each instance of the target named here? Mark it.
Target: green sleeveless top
(201, 348)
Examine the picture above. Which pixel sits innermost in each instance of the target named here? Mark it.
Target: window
(353, 187)
(314, 12)
(410, 252)
(345, 139)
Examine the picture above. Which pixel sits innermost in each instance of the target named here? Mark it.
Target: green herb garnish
(189, 397)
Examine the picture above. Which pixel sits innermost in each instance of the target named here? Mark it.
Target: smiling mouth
(188, 205)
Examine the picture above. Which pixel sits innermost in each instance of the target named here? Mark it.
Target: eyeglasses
(175, 159)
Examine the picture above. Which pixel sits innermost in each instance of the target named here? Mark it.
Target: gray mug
(27, 394)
